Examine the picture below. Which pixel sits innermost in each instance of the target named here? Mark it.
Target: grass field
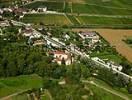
(47, 19)
(112, 3)
(84, 8)
(102, 83)
(100, 94)
(16, 84)
(96, 9)
(104, 20)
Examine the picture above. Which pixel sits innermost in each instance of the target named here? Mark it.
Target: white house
(59, 56)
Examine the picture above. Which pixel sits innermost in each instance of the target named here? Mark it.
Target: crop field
(47, 19)
(115, 37)
(96, 9)
(87, 20)
(112, 3)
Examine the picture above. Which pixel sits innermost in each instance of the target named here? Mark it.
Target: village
(58, 61)
(84, 42)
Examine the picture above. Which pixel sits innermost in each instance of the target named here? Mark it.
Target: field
(87, 20)
(101, 83)
(54, 6)
(97, 9)
(16, 84)
(115, 37)
(83, 13)
(47, 19)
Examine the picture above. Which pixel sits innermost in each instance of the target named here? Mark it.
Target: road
(108, 90)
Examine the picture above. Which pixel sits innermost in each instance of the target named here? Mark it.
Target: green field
(16, 84)
(47, 19)
(96, 9)
(112, 3)
(85, 20)
(100, 94)
(122, 91)
(81, 11)
(54, 6)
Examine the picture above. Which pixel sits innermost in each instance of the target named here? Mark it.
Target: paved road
(104, 88)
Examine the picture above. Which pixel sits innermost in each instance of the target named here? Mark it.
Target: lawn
(47, 19)
(16, 84)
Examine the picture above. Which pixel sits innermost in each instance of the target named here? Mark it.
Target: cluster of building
(90, 36)
(37, 39)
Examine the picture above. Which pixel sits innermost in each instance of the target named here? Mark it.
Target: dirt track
(114, 37)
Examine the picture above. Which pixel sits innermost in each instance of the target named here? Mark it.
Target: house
(62, 57)
(91, 35)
